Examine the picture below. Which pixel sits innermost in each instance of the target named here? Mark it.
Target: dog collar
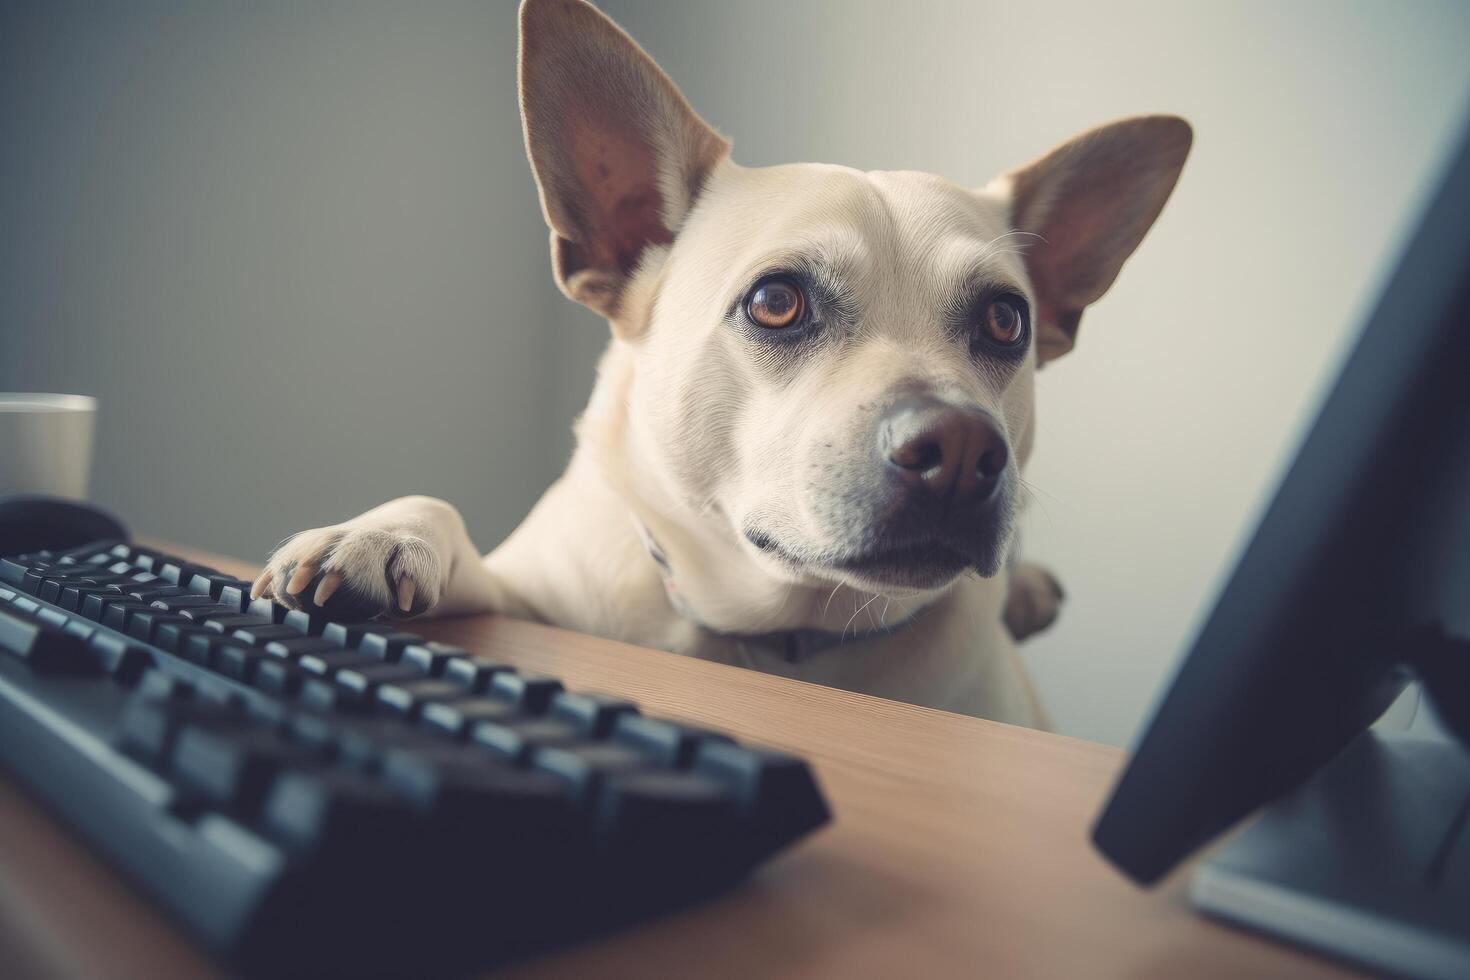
(793, 645)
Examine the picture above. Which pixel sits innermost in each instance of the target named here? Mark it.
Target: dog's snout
(951, 452)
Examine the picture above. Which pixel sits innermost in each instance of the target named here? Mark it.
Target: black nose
(952, 452)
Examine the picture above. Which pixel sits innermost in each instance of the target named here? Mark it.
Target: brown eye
(775, 304)
(1004, 323)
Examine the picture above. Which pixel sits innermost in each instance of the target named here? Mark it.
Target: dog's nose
(953, 452)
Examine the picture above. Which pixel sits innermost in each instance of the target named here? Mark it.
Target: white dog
(804, 447)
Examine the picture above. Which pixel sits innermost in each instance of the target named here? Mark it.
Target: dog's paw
(1034, 600)
(354, 573)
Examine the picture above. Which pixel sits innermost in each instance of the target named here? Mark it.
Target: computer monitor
(1357, 578)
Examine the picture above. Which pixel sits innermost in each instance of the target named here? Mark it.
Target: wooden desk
(959, 848)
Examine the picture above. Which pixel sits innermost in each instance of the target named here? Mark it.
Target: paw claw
(406, 590)
(328, 586)
(302, 577)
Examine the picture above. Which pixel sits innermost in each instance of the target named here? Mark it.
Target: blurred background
(295, 252)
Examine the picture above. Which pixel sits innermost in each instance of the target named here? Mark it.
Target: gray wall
(298, 244)
(295, 251)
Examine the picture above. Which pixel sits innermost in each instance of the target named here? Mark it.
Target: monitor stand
(1369, 860)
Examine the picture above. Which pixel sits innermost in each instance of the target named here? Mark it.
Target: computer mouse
(34, 523)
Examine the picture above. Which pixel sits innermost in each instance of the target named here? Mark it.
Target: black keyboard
(316, 797)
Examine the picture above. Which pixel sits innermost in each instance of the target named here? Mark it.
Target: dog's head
(839, 364)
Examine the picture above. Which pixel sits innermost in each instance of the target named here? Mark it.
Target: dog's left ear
(1091, 200)
(618, 154)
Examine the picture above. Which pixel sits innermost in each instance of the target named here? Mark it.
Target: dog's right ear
(1089, 203)
(618, 154)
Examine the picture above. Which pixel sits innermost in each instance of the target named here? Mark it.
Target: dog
(803, 450)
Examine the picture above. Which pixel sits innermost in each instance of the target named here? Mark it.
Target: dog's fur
(725, 476)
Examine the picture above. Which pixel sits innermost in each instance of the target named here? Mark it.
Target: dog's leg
(1033, 600)
(407, 557)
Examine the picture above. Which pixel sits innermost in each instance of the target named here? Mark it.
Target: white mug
(46, 443)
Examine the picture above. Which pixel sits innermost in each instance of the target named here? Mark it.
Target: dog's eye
(775, 303)
(1004, 322)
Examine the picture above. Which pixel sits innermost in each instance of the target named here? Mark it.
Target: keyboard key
(351, 634)
(431, 658)
(30, 582)
(267, 609)
(232, 763)
(147, 591)
(144, 623)
(239, 662)
(160, 685)
(125, 661)
(50, 588)
(387, 646)
(532, 692)
(236, 596)
(298, 646)
(176, 603)
(13, 571)
(776, 791)
(52, 617)
(81, 629)
(203, 614)
(517, 738)
(151, 723)
(172, 636)
(365, 681)
(306, 623)
(316, 729)
(582, 768)
(674, 815)
(45, 648)
(458, 718)
(323, 694)
(94, 553)
(25, 605)
(259, 636)
(94, 605)
(73, 596)
(671, 743)
(406, 699)
(145, 558)
(179, 573)
(212, 584)
(270, 712)
(202, 647)
(117, 613)
(593, 714)
(464, 786)
(229, 622)
(327, 664)
(279, 678)
(314, 807)
(473, 673)
(361, 743)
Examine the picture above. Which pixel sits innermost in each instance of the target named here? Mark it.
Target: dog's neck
(710, 577)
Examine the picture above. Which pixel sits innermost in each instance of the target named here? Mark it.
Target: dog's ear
(618, 154)
(1091, 200)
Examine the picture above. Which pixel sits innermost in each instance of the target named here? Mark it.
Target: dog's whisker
(856, 613)
(1033, 493)
(833, 595)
